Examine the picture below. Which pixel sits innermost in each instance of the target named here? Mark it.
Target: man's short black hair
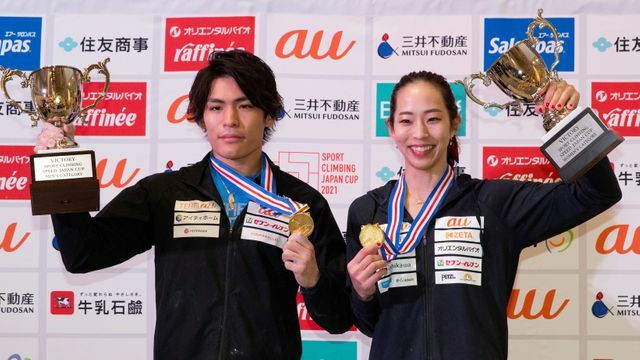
(254, 77)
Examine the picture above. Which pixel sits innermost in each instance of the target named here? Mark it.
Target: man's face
(235, 127)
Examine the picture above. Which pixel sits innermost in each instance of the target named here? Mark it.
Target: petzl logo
(62, 302)
(20, 39)
(617, 239)
(296, 43)
(548, 310)
(383, 107)
(599, 309)
(189, 41)
(502, 34)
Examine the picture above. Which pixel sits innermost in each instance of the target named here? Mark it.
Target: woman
(438, 287)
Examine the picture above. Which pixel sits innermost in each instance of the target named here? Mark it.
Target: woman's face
(422, 128)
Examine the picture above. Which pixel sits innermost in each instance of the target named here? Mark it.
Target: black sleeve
(537, 211)
(328, 302)
(120, 231)
(365, 313)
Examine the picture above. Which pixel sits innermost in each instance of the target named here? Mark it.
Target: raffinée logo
(15, 173)
(618, 104)
(122, 112)
(189, 41)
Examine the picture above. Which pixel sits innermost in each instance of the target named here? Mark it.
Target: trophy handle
(468, 85)
(7, 75)
(102, 69)
(542, 22)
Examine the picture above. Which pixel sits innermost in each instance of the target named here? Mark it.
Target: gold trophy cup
(63, 178)
(576, 140)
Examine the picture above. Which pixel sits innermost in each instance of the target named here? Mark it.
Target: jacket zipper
(427, 314)
(226, 287)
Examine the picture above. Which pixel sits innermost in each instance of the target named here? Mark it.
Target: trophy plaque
(63, 177)
(576, 140)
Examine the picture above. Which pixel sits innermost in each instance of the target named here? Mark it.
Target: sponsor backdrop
(576, 295)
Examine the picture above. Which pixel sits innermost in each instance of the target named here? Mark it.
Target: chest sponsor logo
(458, 250)
(397, 280)
(265, 226)
(401, 272)
(472, 235)
(195, 218)
(458, 277)
(196, 205)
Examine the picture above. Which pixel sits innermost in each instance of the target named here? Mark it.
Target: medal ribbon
(263, 194)
(393, 245)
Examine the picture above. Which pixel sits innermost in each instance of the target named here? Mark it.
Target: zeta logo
(20, 39)
(502, 34)
(383, 107)
(62, 302)
(599, 309)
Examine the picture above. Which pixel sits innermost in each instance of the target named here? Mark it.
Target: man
(227, 270)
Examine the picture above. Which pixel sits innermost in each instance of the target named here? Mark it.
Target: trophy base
(577, 143)
(64, 182)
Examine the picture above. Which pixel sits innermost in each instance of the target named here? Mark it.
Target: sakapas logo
(20, 39)
(189, 41)
(122, 112)
(121, 177)
(618, 239)
(15, 173)
(302, 44)
(11, 241)
(618, 104)
(502, 34)
(517, 163)
(532, 308)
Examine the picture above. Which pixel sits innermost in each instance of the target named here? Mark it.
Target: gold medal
(371, 234)
(301, 222)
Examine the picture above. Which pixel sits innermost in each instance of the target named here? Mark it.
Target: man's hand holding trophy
(63, 178)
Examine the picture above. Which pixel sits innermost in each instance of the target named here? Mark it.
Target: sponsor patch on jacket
(196, 205)
(459, 222)
(196, 218)
(458, 277)
(401, 272)
(458, 250)
(265, 225)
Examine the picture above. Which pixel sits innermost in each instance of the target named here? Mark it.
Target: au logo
(299, 40)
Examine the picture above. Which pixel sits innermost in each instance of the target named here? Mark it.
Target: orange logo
(118, 175)
(299, 38)
(546, 311)
(172, 113)
(6, 243)
(458, 222)
(620, 233)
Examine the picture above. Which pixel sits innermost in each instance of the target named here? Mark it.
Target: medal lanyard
(263, 194)
(393, 245)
